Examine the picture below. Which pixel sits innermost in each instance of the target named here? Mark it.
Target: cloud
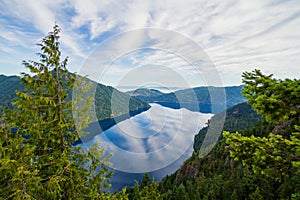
(40, 14)
(26, 22)
(236, 35)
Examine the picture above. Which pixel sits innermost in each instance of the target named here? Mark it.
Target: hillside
(217, 175)
(103, 95)
(237, 118)
(103, 102)
(195, 99)
(8, 86)
(145, 93)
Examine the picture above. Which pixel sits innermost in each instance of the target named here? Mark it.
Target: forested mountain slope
(123, 103)
(218, 176)
(237, 118)
(8, 85)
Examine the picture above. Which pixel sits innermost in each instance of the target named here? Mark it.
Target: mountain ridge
(103, 95)
(194, 99)
(145, 92)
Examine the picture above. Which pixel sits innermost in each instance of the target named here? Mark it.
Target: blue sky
(236, 35)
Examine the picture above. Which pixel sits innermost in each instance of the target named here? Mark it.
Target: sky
(157, 43)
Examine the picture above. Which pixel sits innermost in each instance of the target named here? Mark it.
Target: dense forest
(237, 118)
(257, 157)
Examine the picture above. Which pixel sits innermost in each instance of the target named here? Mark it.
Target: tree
(18, 177)
(145, 181)
(277, 100)
(37, 142)
(275, 157)
(179, 193)
(148, 190)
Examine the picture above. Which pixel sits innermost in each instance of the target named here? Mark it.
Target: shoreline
(93, 128)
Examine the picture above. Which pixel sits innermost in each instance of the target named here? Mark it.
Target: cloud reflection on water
(151, 140)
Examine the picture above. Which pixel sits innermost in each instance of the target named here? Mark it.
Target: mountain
(8, 86)
(145, 93)
(123, 103)
(194, 99)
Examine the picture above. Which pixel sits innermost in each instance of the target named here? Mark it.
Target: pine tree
(277, 100)
(148, 190)
(275, 157)
(37, 142)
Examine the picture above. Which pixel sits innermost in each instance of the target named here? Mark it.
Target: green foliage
(147, 190)
(276, 156)
(273, 156)
(19, 178)
(145, 181)
(276, 100)
(38, 159)
(256, 195)
(218, 176)
(109, 102)
(239, 117)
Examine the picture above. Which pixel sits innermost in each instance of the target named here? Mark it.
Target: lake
(156, 141)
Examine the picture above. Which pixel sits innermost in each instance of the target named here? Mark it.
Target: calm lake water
(156, 141)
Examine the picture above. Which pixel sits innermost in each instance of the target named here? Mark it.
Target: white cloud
(236, 35)
(38, 13)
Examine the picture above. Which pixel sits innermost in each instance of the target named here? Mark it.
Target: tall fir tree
(38, 159)
(275, 157)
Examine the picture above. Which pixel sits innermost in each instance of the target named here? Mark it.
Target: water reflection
(158, 140)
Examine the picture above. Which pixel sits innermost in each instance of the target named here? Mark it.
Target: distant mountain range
(123, 103)
(194, 99)
(145, 93)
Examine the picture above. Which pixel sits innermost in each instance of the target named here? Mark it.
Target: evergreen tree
(145, 181)
(275, 157)
(277, 100)
(38, 159)
(148, 190)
